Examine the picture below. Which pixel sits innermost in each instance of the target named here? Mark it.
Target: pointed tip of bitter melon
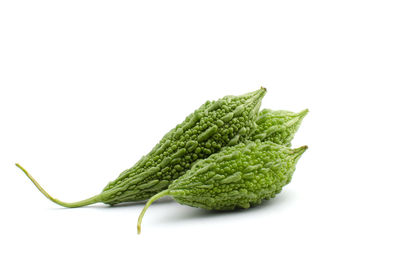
(298, 152)
(255, 95)
(91, 200)
(254, 99)
(303, 113)
(296, 121)
(262, 91)
(299, 117)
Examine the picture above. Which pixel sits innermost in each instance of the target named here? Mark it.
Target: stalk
(149, 202)
(85, 202)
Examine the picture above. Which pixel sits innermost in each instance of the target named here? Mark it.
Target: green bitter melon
(214, 125)
(237, 177)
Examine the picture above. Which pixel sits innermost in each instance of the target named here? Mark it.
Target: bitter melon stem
(88, 201)
(149, 202)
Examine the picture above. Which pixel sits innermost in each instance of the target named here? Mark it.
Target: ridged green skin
(277, 126)
(237, 177)
(214, 125)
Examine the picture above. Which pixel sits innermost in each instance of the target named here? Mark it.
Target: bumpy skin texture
(214, 125)
(277, 126)
(237, 177)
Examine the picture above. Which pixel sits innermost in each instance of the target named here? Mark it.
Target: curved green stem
(88, 201)
(149, 202)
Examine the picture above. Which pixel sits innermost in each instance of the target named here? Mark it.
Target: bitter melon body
(237, 177)
(215, 124)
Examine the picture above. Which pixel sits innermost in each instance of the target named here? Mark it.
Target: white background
(88, 87)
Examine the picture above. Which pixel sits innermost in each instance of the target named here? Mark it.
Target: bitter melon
(214, 125)
(237, 177)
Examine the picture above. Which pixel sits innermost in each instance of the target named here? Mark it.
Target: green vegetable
(278, 126)
(214, 125)
(236, 177)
